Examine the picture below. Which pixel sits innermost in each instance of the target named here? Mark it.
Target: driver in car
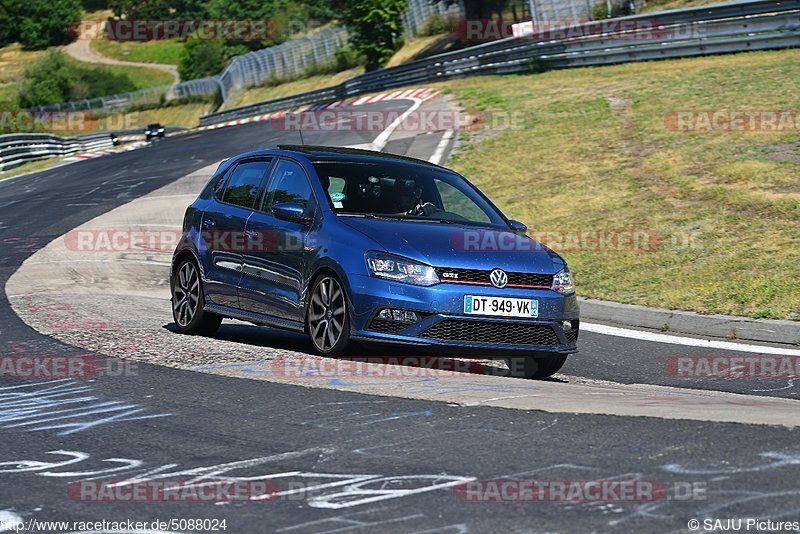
(409, 200)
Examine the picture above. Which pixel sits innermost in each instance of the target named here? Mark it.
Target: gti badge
(499, 278)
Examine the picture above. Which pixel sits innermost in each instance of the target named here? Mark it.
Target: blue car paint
(338, 244)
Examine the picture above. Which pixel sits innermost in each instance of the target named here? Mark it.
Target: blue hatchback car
(353, 245)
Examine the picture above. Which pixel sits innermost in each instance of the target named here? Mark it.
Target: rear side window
(242, 187)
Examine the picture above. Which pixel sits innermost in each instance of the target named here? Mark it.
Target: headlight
(397, 269)
(562, 283)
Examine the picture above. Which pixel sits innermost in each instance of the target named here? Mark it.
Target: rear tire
(188, 301)
(535, 366)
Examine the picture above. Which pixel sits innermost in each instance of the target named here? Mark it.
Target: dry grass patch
(726, 208)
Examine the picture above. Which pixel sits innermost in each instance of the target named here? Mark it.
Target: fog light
(400, 316)
(566, 325)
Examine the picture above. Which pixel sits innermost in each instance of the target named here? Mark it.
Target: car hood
(459, 247)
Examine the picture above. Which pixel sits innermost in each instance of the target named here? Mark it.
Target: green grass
(726, 205)
(160, 51)
(31, 166)
(186, 115)
(142, 77)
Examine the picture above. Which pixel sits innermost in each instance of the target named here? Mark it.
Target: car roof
(317, 153)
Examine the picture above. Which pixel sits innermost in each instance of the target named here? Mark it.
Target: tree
(46, 81)
(53, 79)
(38, 23)
(142, 9)
(375, 28)
(200, 59)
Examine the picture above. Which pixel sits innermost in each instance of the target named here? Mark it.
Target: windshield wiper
(371, 216)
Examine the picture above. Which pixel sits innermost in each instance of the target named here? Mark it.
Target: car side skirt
(253, 317)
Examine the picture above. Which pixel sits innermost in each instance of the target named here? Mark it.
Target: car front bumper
(445, 326)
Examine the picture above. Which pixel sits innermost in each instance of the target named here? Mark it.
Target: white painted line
(380, 141)
(438, 155)
(687, 341)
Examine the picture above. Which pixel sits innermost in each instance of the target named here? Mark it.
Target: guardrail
(722, 28)
(16, 149)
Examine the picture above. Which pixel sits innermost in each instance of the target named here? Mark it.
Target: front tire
(188, 301)
(328, 318)
(535, 367)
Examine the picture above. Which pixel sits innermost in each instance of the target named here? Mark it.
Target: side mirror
(291, 211)
(517, 227)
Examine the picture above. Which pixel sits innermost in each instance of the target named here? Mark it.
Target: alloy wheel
(186, 294)
(327, 314)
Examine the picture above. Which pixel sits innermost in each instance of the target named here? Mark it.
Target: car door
(276, 254)
(222, 229)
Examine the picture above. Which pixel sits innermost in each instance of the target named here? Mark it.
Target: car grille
(572, 337)
(478, 276)
(386, 327)
(492, 332)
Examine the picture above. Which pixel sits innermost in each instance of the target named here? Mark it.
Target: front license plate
(501, 306)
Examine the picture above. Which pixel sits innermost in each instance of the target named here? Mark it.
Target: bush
(436, 25)
(200, 59)
(618, 9)
(375, 28)
(52, 79)
(141, 9)
(347, 58)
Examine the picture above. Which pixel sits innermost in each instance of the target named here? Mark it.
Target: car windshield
(403, 191)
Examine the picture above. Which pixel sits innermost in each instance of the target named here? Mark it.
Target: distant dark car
(153, 131)
(357, 245)
(114, 139)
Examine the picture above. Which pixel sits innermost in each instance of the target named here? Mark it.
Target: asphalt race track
(367, 462)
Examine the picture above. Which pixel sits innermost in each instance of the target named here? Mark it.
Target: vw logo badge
(499, 278)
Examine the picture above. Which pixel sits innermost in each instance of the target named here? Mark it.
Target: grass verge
(594, 153)
(142, 77)
(158, 51)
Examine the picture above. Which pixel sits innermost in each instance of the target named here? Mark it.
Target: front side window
(402, 191)
(243, 185)
(288, 184)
